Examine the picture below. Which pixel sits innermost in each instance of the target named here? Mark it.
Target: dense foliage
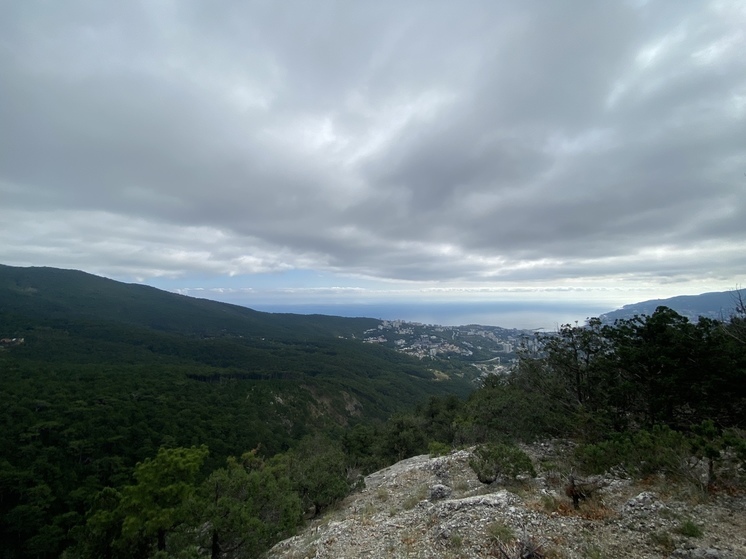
(649, 394)
(103, 377)
(644, 393)
(645, 371)
(129, 416)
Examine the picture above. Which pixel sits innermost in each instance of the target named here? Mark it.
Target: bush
(499, 532)
(438, 449)
(660, 450)
(690, 529)
(497, 460)
(662, 540)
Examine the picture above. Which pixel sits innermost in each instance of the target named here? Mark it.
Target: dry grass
(589, 510)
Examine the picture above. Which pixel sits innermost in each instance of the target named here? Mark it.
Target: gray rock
(643, 504)
(392, 517)
(700, 553)
(440, 491)
(439, 466)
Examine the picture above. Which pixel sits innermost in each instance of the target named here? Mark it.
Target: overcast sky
(305, 151)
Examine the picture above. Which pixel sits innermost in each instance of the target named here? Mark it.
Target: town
(491, 349)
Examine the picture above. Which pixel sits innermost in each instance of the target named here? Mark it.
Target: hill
(718, 305)
(134, 418)
(97, 376)
(68, 316)
(49, 294)
(52, 297)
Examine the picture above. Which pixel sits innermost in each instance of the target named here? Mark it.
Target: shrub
(415, 498)
(662, 540)
(499, 532)
(523, 548)
(690, 529)
(643, 453)
(438, 449)
(456, 541)
(493, 461)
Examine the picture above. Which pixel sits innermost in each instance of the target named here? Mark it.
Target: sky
(286, 155)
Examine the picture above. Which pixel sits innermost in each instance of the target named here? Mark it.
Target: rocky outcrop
(435, 507)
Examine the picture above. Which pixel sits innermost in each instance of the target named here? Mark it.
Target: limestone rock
(436, 507)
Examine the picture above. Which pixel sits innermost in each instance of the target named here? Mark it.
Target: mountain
(719, 305)
(180, 370)
(98, 375)
(51, 294)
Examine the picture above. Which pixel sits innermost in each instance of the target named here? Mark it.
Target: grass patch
(456, 541)
(368, 510)
(690, 529)
(499, 532)
(590, 510)
(411, 501)
(461, 486)
(662, 540)
(593, 552)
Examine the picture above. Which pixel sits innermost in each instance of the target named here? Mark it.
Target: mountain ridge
(84, 294)
(69, 316)
(175, 310)
(717, 305)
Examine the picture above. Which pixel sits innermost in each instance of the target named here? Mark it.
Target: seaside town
(491, 349)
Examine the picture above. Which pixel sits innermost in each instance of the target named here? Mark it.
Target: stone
(440, 491)
(393, 517)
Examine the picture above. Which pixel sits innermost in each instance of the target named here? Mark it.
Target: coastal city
(491, 349)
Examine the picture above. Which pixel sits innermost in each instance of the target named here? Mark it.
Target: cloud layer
(475, 143)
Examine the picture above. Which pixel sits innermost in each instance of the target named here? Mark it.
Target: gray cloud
(420, 141)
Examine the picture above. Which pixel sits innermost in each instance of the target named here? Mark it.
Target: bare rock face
(435, 507)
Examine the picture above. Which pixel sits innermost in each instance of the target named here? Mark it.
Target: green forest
(137, 423)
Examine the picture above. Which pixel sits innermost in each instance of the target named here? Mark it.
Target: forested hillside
(718, 305)
(128, 433)
(97, 376)
(51, 296)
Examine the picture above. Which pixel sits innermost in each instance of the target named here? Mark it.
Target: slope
(49, 294)
(102, 374)
(718, 305)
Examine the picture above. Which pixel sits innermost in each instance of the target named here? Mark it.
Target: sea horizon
(519, 315)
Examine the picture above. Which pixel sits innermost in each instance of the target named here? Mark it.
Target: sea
(521, 315)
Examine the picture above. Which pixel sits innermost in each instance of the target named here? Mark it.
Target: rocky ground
(429, 507)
